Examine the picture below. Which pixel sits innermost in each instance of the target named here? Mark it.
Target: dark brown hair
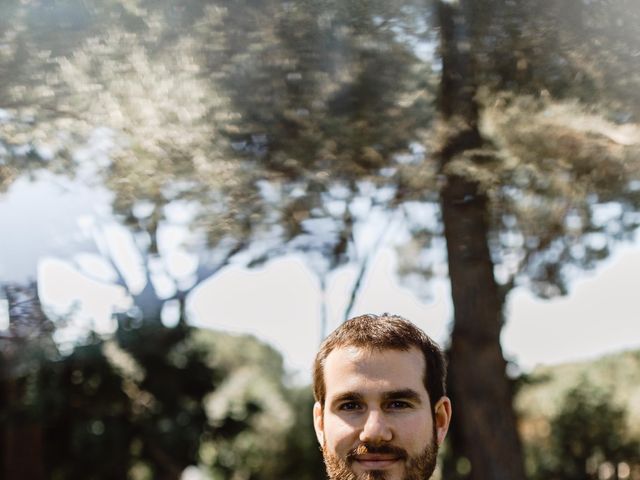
(383, 332)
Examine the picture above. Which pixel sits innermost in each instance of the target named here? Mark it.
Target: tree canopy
(505, 132)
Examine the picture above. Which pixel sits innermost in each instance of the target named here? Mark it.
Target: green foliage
(277, 440)
(588, 433)
(112, 405)
(154, 400)
(86, 416)
(578, 417)
(302, 459)
(205, 101)
(541, 395)
(327, 105)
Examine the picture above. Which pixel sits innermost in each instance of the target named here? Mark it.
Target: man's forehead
(351, 368)
(346, 353)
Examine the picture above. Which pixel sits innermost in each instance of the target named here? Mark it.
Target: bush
(588, 439)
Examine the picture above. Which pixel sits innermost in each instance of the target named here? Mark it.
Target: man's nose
(376, 429)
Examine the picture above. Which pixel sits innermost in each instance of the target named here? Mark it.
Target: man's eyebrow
(404, 394)
(347, 397)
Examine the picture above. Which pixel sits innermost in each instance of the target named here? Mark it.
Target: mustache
(365, 448)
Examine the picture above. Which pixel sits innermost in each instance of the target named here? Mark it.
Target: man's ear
(442, 418)
(318, 422)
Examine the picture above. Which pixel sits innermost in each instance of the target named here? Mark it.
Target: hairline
(370, 349)
(366, 348)
(400, 335)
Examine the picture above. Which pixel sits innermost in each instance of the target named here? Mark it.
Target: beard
(418, 467)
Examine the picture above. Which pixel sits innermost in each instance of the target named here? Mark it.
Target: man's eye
(398, 404)
(349, 406)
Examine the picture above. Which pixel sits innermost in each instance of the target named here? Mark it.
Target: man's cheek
(338, 434)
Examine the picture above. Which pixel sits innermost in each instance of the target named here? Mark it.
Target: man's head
(381, 409)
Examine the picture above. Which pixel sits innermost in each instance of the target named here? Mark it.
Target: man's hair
(383, 332)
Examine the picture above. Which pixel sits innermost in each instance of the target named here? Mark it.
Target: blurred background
(194, 194)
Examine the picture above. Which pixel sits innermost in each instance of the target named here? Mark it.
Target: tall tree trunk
(22, 437)
(483, 412)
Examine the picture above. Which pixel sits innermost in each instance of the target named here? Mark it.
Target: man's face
(376, 423)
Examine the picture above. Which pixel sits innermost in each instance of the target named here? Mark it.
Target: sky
(280, 302)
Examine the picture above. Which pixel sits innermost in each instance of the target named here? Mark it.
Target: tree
(109, 104)
(474, 218)
(302, 459)
(154, 400)
(495, 118)
(278, 441)
(111, 407)
(588, 436)
(23, 345)
(521, 204)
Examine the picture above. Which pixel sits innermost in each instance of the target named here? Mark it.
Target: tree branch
(357, 285)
